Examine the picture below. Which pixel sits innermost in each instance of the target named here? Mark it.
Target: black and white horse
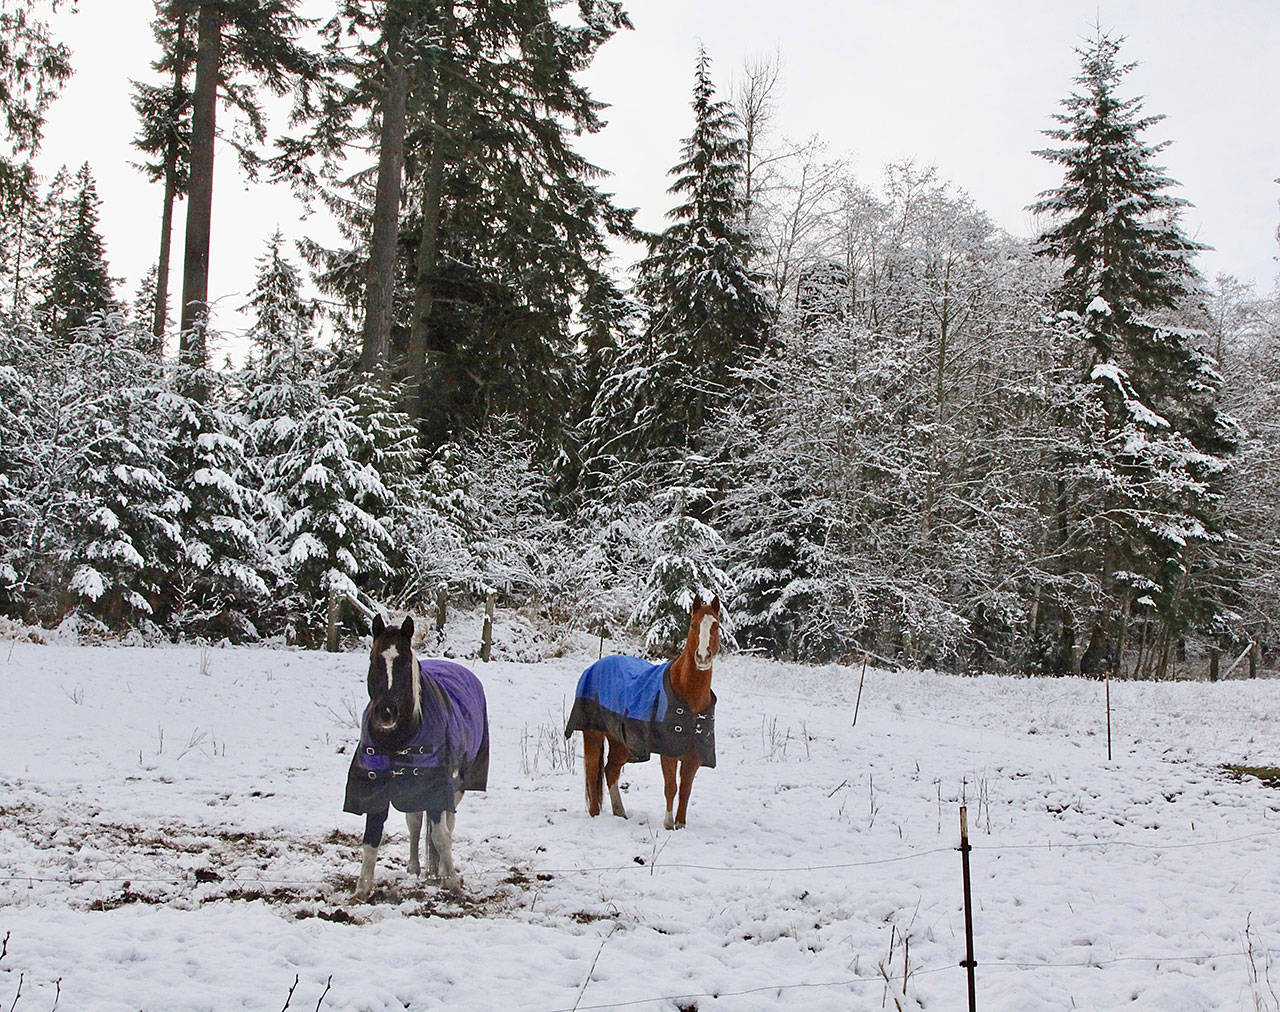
(424, 742)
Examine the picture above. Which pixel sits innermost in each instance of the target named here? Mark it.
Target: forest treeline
(865, 416)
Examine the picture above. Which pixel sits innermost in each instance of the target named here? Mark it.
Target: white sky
(965, 85)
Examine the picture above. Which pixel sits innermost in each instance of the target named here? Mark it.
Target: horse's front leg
(669, 767)
(688, 769)
(373, 823)
(440, 841)
(414, 821)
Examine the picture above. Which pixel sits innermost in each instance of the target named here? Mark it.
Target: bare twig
(327, 984)
(289, 997)
(19, 992)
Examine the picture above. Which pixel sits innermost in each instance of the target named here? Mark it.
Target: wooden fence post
(1255, 657)
(1108, 716)
(333, 627)
(442, 610)
(486, 639)
(858, 702)
(968, 963)
(1214, 657)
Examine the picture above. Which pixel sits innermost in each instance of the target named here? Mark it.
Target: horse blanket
(632, 701)
(449, 753)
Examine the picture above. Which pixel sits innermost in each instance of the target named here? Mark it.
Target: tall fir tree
(33, 68)
(77, 282)
(164, 133)
(242, 46)
(503, 225)
(1149, 477)
(707, 310)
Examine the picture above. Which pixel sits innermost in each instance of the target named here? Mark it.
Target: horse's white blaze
(389, 655)
(416, 682)
(704, 640)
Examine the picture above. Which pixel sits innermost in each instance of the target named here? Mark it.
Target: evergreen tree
(707, 311)
(333, 536)
(33, 68)
(122, 532)
(1154, 455)
(142, 311)
(503, 225)
(685, 551)
(24, 232)
(282, 318)
(222, 579)
(77, 283)
(241, 45)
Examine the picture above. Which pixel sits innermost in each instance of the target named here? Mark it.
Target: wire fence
(242, 876)
(245, 879)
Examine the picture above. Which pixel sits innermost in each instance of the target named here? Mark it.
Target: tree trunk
(17, 259)
(429, 241)
(160, 310)
(380, 277)
(195, 273)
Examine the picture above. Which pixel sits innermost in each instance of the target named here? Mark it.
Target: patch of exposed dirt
(303, 876)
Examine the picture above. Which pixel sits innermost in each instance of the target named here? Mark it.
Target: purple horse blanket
(449, 753)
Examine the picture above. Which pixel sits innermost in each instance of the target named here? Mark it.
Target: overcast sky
(966, 85)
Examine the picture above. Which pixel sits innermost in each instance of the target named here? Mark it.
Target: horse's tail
(594, 770)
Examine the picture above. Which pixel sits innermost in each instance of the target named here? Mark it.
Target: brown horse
(642, 708)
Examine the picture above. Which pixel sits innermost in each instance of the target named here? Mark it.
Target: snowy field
(171, 838)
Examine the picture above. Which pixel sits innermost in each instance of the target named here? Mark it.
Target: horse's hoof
(415, 869)
(361, 894)
(452, 886)
(621, 813)
(668, 822)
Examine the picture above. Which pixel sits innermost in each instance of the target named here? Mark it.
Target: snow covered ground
(171, 838)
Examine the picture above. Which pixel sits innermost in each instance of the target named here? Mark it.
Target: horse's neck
(692, 685)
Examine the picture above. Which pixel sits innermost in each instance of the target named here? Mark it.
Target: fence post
(333, 627)
(486, 638)
(858, 702)
(968, 963)
(1255, 657)
(1108, 716)
(1214, 656)
(442, 608)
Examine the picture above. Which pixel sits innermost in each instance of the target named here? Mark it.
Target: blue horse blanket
(449, 753)
(632, 701)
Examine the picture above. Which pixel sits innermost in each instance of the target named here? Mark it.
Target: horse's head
(704, 631)
(395, 691)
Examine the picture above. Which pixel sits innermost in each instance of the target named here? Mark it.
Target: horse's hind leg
(593, 769)
(618, 756)
(414, 821)
(440, 839)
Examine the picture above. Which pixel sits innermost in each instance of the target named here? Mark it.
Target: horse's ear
(378, 625)
(406, 626)
(715, 605)
(697, 602)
